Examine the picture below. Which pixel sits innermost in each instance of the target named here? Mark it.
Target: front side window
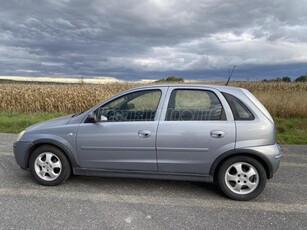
(138, 106)
(193, 105)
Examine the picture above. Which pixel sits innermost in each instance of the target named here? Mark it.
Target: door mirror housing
(91, 118)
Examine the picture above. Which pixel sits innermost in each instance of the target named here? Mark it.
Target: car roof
(217, 87)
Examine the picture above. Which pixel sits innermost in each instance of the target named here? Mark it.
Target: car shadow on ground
(151, 187)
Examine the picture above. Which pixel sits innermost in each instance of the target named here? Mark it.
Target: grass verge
(16, 122)
(289, 130)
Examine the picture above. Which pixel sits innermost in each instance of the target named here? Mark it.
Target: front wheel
(241, 178)
(49, 166)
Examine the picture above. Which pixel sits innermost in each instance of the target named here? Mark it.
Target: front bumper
(21, 152)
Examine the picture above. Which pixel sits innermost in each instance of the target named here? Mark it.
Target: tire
(49, 166)
(241, 178)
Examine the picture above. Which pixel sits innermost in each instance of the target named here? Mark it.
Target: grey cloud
(98, 37)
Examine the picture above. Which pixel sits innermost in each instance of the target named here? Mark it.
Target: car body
(170, 131)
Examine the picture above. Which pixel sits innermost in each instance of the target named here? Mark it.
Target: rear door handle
(144, 133)
(217, 133)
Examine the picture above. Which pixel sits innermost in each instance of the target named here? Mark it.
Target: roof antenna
(233, 69)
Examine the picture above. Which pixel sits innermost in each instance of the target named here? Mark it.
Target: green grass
(16, 122)
(289, 131)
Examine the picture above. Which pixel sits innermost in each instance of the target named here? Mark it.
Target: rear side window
(239, 110)
(194, 105)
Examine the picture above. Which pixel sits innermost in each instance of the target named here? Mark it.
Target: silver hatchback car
(176, 132)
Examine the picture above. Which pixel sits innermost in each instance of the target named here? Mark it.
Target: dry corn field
(281, 99)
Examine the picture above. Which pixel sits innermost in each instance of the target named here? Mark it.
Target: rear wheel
(49, 165)
(241, 178)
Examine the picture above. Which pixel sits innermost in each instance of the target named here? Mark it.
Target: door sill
(142, 174)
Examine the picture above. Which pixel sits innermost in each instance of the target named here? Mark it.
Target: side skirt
(142, 175)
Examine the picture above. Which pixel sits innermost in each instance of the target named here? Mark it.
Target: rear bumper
(277, 157)
(272, 155)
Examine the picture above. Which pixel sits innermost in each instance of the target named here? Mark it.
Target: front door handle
(144, 133)
(217, 133)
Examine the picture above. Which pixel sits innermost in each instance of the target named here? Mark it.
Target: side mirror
(91, 118)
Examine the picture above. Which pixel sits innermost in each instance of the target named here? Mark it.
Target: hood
(53, 122)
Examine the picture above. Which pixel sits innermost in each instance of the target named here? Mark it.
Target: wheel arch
(241, 152)
(36, 144)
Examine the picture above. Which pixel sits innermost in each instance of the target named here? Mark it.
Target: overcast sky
(150, 39)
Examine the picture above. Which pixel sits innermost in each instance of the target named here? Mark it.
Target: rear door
(193, 130)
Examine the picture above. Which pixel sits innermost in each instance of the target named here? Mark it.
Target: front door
(124, 136)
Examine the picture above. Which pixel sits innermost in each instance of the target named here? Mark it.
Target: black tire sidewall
(66, 168)
(244, 197)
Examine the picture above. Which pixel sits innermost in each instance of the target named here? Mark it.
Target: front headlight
(20, 135)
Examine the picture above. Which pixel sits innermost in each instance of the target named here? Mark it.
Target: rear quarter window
(239, 110)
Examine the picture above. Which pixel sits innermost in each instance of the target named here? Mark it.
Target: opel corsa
(176, 132)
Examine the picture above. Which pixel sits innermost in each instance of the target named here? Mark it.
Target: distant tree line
(302, 78)
(171, 79)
